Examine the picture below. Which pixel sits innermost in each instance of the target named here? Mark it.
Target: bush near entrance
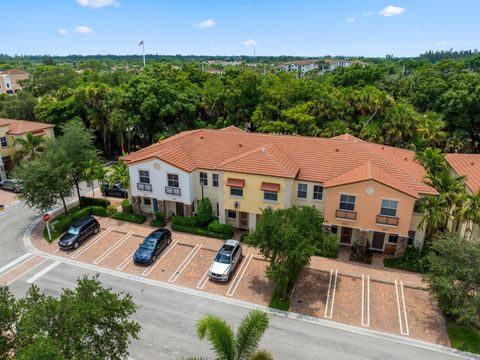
(159, 220)
(88, 201)
(133, 218)
(288, 238)
(214, 229)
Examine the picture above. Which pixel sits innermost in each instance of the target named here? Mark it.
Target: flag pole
(143, 52)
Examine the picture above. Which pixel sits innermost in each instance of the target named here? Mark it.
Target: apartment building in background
(10, 81)
(366, 191)
(467, 165)
(304, 66)
(10, 130)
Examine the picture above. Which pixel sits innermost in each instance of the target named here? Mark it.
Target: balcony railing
(144, 186)
(173, 190)
(387, 220)
(345, 214)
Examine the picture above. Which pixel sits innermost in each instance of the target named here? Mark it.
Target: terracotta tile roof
(232, 128)
(466, 165)
(347, 137)
(371, 171)
(18, 127)
(304, 158)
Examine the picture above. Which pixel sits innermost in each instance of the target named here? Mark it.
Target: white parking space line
(28, 270)
(184, 263)
(112, 248)
(43, 272)
(125, 262)
(148, 270)
(332, 285)
(403, 320)
(365, 300)
(91, 243)
(17, 261)
(238, 277)
(202, 281)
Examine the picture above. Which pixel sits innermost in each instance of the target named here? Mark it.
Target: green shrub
(204, 212)
(330, 247)
(276, 303)
(111, 210)
(184, 221)
(410, 261)
(159, 220)
(198, 231)
(224, 229)
(465, 338)
(88, 201)
(134, 218)
(126, 206)
(80, 214)
(98, 211)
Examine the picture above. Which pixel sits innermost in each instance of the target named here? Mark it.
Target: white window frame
(215, 181)
(389, 202)
(350, 195)
(2, 139)
(318, 192)
(270, 192)
(205, 178)
(140, 176)
(306, 191)
(229, 212)
(168, 180)
(388, 238)
(235, 195)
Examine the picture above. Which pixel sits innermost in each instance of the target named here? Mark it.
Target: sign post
(46, 218)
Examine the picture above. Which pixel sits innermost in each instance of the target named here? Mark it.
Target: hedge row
(88, 201)
(134, 218)
(214, 229)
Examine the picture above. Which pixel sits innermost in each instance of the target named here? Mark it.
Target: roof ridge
(276, 160)
(240, 156)
(375, 153)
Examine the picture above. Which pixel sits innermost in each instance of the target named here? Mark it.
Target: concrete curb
(285, 314)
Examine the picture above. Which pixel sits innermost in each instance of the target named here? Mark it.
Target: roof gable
(467, 165)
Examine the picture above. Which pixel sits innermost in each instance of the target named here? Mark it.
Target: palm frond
(261, 355)
(249, 334)
(219, 334)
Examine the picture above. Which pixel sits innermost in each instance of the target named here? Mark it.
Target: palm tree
(433, 160)
(241, 345)
(32, 146)
(119, 174)
(434, 215)
(93, 171)
(431, 129)
(470, 212)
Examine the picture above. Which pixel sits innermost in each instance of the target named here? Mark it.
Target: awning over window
(266, 186)
(239, 183)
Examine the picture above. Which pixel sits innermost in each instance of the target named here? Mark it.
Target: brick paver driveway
(7, 198)
(377, 299)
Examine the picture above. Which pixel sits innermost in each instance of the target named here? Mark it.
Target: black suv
(79, 232)
(116, 190)
(152, 246)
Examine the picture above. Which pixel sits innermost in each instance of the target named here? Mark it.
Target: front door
(346, 235)
(179, 209)
(378, 240)
(243, 220)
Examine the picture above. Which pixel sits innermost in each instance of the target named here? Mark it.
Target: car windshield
(74, 230)
(223, 257)
(149, 243)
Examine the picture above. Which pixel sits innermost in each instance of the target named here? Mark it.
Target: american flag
(140, 43)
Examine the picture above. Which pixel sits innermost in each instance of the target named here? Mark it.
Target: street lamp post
(202, 184)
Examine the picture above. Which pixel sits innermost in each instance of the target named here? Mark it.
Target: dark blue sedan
(152, 246)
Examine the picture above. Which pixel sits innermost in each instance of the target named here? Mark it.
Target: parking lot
(386, 306)
(7, 198)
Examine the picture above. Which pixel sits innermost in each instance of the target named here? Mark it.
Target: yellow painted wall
(368, 207)
(252, 200)
(209, 191)
(309, 201)
(11, 149)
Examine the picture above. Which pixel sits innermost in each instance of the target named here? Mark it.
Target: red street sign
(46, 217)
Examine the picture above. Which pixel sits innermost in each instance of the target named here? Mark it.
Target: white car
(226, 260)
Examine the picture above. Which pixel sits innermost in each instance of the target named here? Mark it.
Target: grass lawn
(276, 303)
(465, 338)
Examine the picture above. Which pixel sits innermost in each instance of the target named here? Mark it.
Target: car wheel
(76, 244)
(154, 258)
(96, 230)
(169, 241)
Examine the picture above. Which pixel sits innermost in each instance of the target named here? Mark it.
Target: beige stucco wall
(368, 207)
(309, 201)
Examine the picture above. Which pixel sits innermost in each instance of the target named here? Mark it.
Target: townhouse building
(10, 81)
(467, 165)
(10, 130)
(366, 192)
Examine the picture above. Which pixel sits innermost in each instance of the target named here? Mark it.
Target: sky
(227, 27)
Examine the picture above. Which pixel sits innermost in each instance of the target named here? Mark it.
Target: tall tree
(434, 215)
(241, 345)
(31, 146)
(94, 171)
(77, 143)
(469, 213)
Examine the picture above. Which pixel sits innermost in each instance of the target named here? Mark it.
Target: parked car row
(116, 190)
(223, 266)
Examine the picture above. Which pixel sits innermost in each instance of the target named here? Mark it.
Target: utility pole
(143, 51)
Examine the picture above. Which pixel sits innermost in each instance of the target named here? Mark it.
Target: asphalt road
(168, 316)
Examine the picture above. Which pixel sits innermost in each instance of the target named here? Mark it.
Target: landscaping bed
(213, 229)
(465, 338)
(410, 261)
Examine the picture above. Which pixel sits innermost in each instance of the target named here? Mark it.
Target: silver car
(11, 184)
(226, 260)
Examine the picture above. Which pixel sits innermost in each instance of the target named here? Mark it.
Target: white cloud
(62, 31)
(249, 42)
(83, 29)
(392, 11)
(205, 24)
(350, 19)
(97, 4)
(368, 13)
